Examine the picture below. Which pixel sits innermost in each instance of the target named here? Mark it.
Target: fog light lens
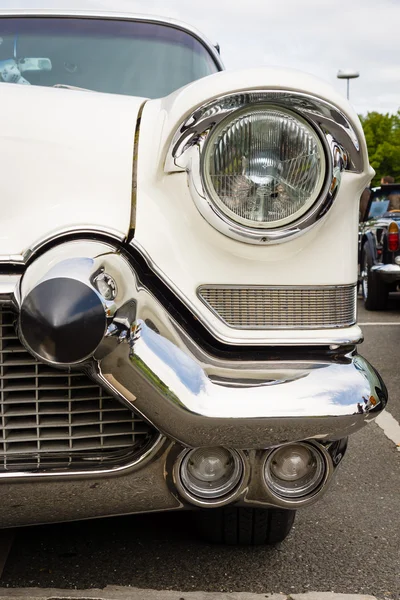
(211, 472)
(294, 471)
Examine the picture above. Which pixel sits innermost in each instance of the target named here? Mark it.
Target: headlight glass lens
(265, 167)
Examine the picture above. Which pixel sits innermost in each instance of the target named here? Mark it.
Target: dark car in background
(379, 246)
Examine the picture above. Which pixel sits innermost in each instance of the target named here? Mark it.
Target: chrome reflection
(341, 144)
(148, 361)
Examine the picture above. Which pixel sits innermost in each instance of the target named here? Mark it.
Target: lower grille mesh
(282, 307)
(53, 419)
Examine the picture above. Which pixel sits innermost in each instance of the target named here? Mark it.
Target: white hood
(66, 161)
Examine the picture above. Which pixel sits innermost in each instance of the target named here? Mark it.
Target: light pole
(348, 74)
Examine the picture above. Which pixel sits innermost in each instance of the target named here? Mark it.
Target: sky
(315, 36)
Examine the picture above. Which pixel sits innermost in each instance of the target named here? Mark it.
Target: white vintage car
(178, 278)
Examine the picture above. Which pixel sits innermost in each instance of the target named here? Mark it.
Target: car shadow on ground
(151, 550)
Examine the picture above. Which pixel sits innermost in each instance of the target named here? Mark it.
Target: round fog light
(211, 472)
(294, 471)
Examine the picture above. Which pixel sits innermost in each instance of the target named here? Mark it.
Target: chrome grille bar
(286, 307)
(53, 419)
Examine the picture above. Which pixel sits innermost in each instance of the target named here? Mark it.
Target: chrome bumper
(150, 485)
(199, 400)
(148, 361)
(388, 273)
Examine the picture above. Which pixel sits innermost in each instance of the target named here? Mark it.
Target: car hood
(67, 160)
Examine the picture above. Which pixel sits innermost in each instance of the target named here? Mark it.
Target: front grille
(59, 420)
(262, 307)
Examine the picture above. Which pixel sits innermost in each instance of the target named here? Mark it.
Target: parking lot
(348, 542)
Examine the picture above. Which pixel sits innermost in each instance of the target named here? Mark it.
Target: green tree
(382, 132)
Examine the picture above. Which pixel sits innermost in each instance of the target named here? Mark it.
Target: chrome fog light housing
(211, 473)
(295, 470)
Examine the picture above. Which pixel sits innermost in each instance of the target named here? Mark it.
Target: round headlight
(265, 167)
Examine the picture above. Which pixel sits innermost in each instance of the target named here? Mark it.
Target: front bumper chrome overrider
(82, 303)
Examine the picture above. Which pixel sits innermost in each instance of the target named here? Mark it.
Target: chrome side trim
(341, 145)
(149, 362)
(117, 15)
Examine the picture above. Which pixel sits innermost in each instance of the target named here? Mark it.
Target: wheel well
(366, 239)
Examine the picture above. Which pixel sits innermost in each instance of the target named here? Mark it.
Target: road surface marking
(390, 427)
(377, 323)
(130, 593)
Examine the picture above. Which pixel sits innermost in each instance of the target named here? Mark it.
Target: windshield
(117, 56)
(385, 202)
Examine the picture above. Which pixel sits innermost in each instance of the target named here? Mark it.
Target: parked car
(379, 246)
(178, 278)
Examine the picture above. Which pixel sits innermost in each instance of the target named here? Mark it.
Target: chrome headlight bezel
(339, 142)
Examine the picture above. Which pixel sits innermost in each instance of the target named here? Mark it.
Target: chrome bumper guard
(148, 361)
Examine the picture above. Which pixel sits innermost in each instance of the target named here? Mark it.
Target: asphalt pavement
(348, 542)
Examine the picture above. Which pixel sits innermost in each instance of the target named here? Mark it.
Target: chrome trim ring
(301, 491)
(295, 502)
(214, 493)
(228, 498)
(339, 140)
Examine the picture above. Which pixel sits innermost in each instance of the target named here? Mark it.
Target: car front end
(178, 327)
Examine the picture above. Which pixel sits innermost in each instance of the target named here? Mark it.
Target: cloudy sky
(317, 36)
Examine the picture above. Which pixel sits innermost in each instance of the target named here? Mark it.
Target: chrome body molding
(64, 11)
(387, 272)
(340, 142)
(282, 307)
(149, 362)
(53, 236)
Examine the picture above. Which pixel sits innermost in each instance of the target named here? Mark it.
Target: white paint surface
(186, 251)
(66, 161)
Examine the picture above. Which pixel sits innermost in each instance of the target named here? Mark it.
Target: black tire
(244, 526)
(374, 291)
